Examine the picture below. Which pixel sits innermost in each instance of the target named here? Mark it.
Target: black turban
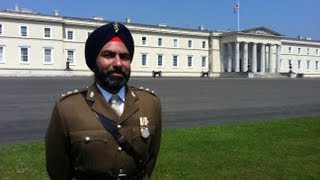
(101, 36)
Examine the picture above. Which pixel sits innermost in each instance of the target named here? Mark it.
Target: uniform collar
(107, 95)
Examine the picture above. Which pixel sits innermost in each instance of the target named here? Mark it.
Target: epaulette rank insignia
(147, 90)
(69, 93)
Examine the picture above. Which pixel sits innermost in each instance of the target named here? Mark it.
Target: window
(317, 52)
(24, 31)
(144, 61)
(299, 64)
(47, 56)
(0, 29)
(175, 42)
(47, 32)
(299, 50)
(70, 35)
(190, 61)
(204, 61)
(159, 41)
(70, 56)
(24, 57)
(308, 64)
(144, 40)
(190, 44)
(308, 51)
(160, 60)
(280, 64)
(289, 50)
(317, 65)
(1, 54)
(204, 44)
(174, 61)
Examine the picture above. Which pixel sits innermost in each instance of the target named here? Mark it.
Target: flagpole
(238, 10)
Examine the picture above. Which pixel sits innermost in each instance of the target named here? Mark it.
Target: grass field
(280, 149)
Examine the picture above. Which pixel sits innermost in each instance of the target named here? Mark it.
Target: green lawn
(280, 149)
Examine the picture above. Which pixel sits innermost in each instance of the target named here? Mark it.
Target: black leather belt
(85, 176)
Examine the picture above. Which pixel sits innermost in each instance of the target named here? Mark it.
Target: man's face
(113, 63)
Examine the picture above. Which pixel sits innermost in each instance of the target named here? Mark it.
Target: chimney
(128, 20)
(201, 28)
(56, 13)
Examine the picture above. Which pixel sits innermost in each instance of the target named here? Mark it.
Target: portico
(254, 50)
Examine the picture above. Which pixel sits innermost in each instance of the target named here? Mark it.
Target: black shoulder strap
(121, 140)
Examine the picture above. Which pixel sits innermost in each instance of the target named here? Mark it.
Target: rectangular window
(47, 54)
(317, 65)
(317, 52)
(47, 32)
(24, 57)
(289, 50)
(175, 61)
(204, 61)
(299, 64)
(159, 41)
(160, 60)
(308, 64)
(70, 35)
(23, 31)
(189, 61)
(190, 44)
(70, 56)
(204, 44)
(144, 61)
(0, 29)
(308, 51)
(281, 64)
(144, 40)
(299, 50)
(1, 54)
(175, 42)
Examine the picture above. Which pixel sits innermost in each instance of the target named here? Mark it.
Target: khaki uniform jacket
(77, 142)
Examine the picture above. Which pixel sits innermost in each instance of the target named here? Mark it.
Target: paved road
(26, 103)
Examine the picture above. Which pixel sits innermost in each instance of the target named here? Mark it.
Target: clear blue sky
(288, 17)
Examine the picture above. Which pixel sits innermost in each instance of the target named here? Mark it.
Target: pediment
(262, 31)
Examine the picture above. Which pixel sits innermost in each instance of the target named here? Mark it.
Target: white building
(33, 44)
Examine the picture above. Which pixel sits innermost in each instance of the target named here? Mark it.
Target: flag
(235, 8)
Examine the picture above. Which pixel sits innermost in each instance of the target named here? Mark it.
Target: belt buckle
(122, 176)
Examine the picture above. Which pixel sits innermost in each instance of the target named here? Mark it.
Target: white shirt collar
(107, 95)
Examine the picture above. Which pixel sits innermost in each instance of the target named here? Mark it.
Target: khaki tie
(115, 104)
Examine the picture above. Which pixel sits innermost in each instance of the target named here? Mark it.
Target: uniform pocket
(139, 143)
(90, 149)
(87, 136)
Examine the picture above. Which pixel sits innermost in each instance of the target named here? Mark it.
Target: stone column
(267, 58)
(254, 58)
(278, 58)
(237, 58)
(263, 58)
(229, 63)
(271, 59)
(245, 57)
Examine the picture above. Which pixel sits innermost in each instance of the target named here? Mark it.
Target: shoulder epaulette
(144, 89)
(70, 93)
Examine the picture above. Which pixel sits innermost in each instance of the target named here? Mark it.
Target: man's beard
(112, 83)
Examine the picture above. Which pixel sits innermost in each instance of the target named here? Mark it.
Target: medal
(144, 127)
(145, 132)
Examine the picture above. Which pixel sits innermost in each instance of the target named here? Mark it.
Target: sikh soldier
(109, 130)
